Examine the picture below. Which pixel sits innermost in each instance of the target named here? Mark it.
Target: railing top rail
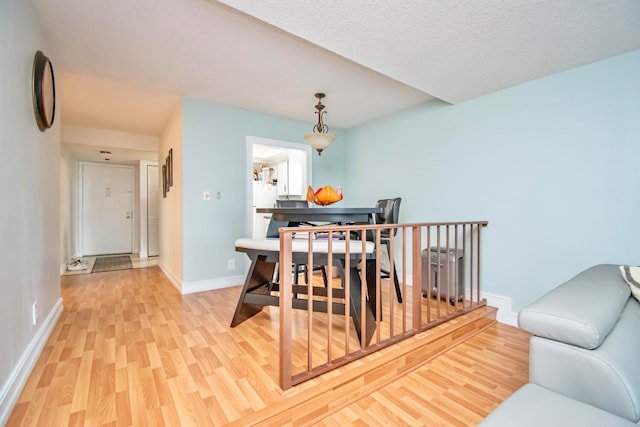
(333, 227)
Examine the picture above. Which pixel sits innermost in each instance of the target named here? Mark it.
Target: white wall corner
(177, 283)
(18, 377)
(63, 266)
(211, 284)
(505, 315)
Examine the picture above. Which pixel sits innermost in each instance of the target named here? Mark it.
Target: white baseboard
(502, 303)
(212, 284)
(505, 315)
(18, 378)
(200, 285)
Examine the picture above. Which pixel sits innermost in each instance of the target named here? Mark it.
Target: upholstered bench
(302, 246)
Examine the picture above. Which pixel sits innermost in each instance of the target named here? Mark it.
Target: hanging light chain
(320, 127)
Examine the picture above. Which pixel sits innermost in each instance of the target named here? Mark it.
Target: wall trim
(502, 303)
(18, 377)
(186, 288)
(505, 315)
(211, 284)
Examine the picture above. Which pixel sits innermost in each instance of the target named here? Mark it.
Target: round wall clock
(44, 91)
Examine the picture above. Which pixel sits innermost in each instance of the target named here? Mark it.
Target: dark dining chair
(389, 215)
(297, 268)
(292, 204)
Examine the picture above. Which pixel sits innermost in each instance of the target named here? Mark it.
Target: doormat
(111, 263)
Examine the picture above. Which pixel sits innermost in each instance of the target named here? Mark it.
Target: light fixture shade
(319, 141)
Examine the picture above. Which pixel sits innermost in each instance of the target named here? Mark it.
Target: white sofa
(584, 357)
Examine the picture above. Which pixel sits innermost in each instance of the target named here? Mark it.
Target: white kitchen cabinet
(295, 177)
(290, 178)
(283, 178)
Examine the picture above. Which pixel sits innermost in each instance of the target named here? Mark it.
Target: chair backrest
(391, 211)
(292, 204)
(272, 229)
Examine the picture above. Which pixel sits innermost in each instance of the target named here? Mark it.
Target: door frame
(81, 196)
(145, 217)
(256, 140)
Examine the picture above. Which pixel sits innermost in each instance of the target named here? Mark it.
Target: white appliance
(264, 196)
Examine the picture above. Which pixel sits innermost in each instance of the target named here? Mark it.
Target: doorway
(106, 208)
(299, 150)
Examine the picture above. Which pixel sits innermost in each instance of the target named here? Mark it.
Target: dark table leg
(356, 309)
(258, 281)
(371, 286)
(258, 286)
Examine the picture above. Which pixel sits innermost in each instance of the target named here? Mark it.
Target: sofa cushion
(581, 311)
(631, 275)
(535, 406)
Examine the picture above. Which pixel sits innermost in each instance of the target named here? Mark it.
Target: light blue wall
(214, 150)
(551, 164)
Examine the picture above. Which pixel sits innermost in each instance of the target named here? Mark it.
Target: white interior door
(107, 208)
(153, 220)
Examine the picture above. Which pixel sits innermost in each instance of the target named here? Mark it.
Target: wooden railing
(444, 284)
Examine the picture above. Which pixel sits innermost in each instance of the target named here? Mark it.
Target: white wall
(215, 160)
(552, 164)
(171, 210)
(209, 154)
(30, 210)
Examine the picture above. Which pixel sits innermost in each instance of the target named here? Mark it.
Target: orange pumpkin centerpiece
(324, 196)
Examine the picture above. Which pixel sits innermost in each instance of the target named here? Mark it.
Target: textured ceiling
(457, 50)
(124, 65)
(172, 48)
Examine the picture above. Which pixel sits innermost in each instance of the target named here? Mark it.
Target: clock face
(44, 91)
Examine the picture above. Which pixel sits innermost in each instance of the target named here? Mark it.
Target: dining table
(261, 290)
(323, 214)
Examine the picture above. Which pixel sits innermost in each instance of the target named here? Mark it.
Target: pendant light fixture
(320, 139)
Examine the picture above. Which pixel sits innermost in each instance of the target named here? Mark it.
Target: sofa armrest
(607, 377)
(581, 311)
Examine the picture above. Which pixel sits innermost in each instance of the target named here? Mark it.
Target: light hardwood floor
(458, 388)
(130, 350)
